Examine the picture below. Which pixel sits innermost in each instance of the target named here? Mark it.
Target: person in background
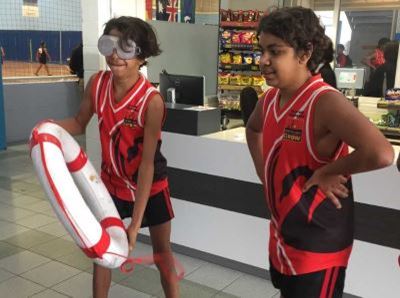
(376, 58)
(299, 136)
(383, 77)
(342, 60)
(2, 54)
(42, 56)
(76, 61)
(325, 69)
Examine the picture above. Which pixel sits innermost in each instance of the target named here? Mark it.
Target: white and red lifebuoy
(78, 196)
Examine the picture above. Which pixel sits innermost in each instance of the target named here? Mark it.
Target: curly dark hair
(137, 30)
(301, 29)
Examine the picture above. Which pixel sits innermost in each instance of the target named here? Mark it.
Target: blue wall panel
(22, 45)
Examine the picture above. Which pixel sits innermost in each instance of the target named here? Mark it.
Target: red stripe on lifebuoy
(52, 184)
(112, 222)
(98, 250)
(78, 163)
(44, 137)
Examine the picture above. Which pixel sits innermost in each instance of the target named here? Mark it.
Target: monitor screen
(349, 78)
(188, 90)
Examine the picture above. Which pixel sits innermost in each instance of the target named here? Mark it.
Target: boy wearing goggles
(130, 114)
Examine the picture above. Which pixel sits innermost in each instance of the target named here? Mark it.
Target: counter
(221, 213)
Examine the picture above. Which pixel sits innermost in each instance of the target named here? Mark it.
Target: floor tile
(22, 262)
(189, 289)
(4, 275)
(7, 249)
(214, 276)
(251, 286)
(226, 295)
(189, 264)
(42, 207)
(146, 281)
(20, 200)
(29, 239)
(55, 248)
(79, 286)
(11, 213)
(48, 293)
(8, 229)
(77, 260)
(18, 287)
(55, 228)
(36, 221)
(118, 291)
(50, 273)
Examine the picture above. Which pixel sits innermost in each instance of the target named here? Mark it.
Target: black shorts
(328, 283)
(158, 209)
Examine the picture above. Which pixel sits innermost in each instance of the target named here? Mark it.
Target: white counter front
(220, 209)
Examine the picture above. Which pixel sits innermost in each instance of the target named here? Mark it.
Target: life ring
(78, 196)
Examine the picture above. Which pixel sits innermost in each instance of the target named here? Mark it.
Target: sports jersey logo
(294, 127)
(131, 119)
(130, 122)
(292, 134)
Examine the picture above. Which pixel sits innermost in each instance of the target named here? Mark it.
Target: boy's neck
(123, 85)
(287, 93)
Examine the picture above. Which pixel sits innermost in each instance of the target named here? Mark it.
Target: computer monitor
(188, 90)
(349, 78)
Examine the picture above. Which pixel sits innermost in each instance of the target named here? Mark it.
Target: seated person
(342, 60)
(248, 101)
(383, 77)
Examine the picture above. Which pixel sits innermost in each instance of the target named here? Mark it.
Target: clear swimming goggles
(107, 44)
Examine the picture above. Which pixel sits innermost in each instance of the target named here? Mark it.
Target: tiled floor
(38, 259)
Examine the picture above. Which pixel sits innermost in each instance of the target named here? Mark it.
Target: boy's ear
(306, 55)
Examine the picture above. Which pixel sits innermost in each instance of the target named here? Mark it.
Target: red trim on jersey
(333, 281)
(145, 105)
(280, 112)
(78, 163)
(325, 284)
(167, 199)
(300, 259)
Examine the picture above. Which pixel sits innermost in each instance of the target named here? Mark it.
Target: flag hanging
(167, 10)
(149, 10)
(188, 11)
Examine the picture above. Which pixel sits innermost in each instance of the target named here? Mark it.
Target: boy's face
(121, 67)
(279, 63)
(340, 50)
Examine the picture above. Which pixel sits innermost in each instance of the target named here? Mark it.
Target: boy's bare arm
(371, 149)
(254, 130)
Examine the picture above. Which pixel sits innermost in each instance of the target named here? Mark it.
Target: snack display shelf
(390, 105)
(227, 24)
(239, 87)
(241, 46)
(242, 67)
(390, 131)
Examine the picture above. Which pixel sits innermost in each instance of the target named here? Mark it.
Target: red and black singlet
(121, 127)
(307, 232)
